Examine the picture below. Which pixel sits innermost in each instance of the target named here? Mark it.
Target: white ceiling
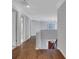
(39, 9)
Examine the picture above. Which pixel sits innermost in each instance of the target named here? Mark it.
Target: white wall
(43, 37)
(13, 28)
(36, 26)
(62, 28)
(26, 27)
(45, 25)
(16, 28)
(23, 33)
(38, 40)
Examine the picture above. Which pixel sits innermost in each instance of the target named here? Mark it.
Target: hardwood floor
(27, 51)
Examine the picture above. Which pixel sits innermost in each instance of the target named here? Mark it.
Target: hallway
(27, 51)
(42, 19)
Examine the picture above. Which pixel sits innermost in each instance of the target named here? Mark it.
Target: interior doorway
(52, 44)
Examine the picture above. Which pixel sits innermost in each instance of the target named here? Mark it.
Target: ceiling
(39, 9)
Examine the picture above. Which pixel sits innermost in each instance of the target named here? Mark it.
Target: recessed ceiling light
(28, 6)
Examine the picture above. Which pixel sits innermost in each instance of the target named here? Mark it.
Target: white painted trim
(62, 52)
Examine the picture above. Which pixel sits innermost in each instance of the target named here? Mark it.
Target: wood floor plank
(27, 51)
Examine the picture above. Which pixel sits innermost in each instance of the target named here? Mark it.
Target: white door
(22, 30)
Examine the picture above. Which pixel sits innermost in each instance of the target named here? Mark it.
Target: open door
(51, 45)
